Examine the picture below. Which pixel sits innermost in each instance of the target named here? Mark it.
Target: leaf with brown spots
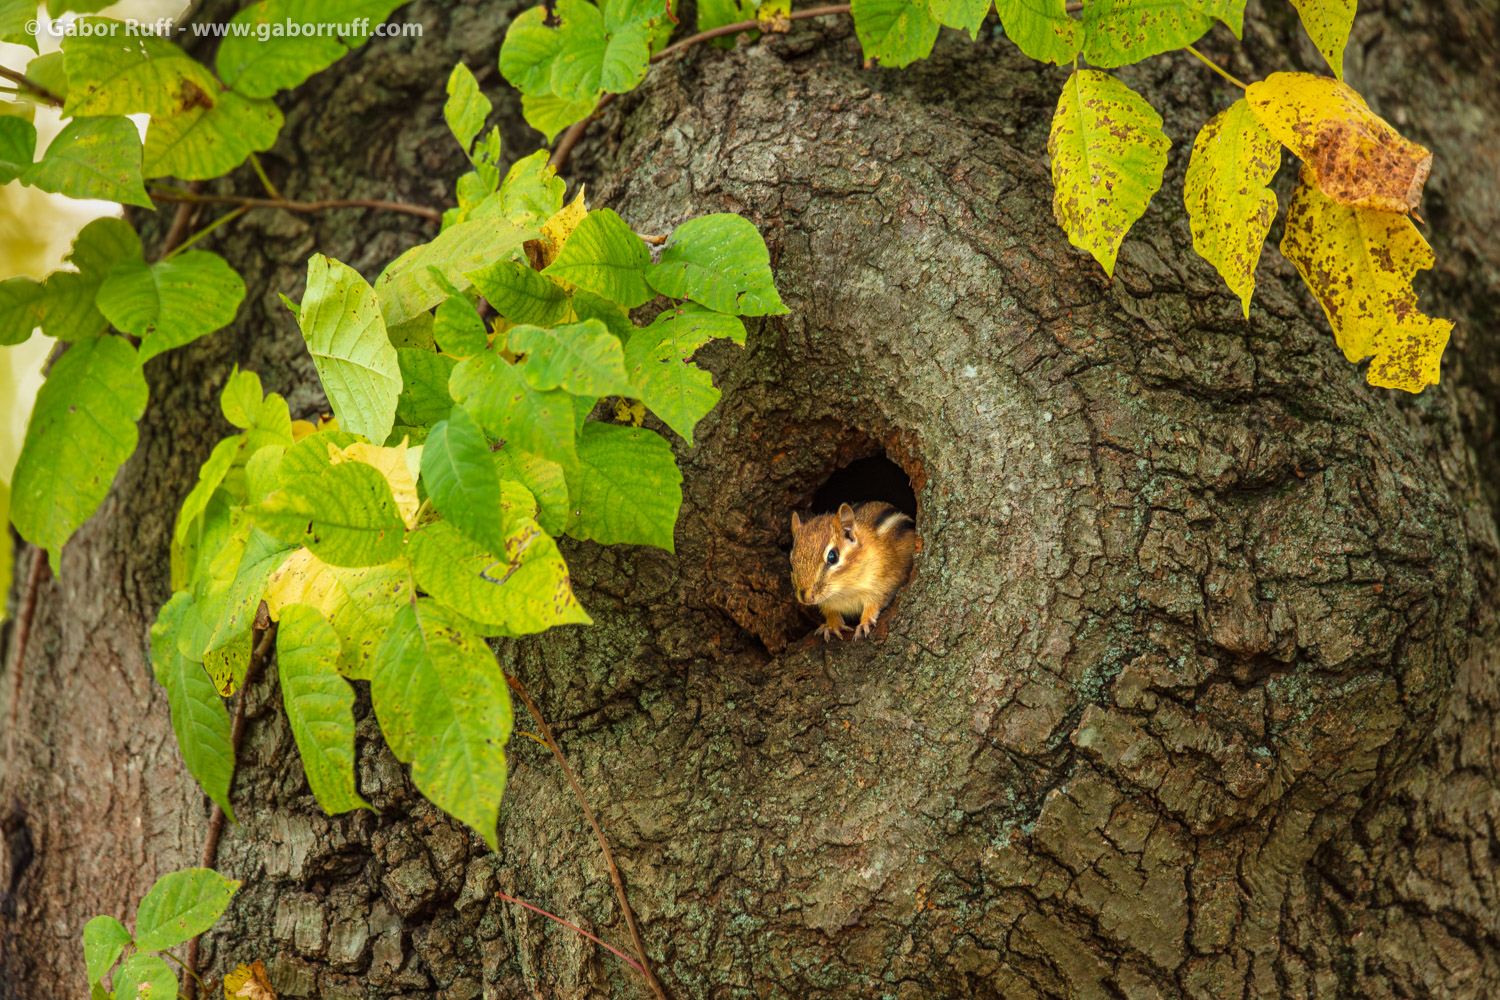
(1359, 264)
(1355, 156)
(1327, 23)
(1228, 204)
(1120, 32)
(1108, 153)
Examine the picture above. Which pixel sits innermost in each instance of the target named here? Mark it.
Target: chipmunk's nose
(802, 595)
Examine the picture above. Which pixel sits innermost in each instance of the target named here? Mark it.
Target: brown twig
(609, 858)
(181, 221)
(601, 943)
(217, 818)
(23, 633)
(36, 88)
(422, 211)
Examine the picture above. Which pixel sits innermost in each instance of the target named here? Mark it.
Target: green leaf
(530, 48)
(240, 399)
(18, 23)
(93, 158)
(415, 332)
(199, 718)
(263, 472)
(359, 603)
(461, 479)
(145, 977)
(444, 708)
(172, 302)
(895, 32)
(522, 295)
(180, 906)
(48, 70)
(531, 192)
(1108, 153)
(966, 15)
(1118, 32)
(17, 147)
(1229, 206)
(340, 320)
(104, 941)
(658, 363)
(549, 114)
(1327, 23)
(210, 475)
(458, 330)
(115, 72)
(719, 261)
(1041, 28)
(628, 488)
(524, 589)
(203, 142)
(227, 653)
(543, 479)
(407, 288)
(69, 312)
(583, 358)
(603, 256)
(717, 13)
(346, 516)
(319, 706)
(21, 303)
(82, 429)
(507, 407)
(259, 66)
(466, 107)
(424, 398)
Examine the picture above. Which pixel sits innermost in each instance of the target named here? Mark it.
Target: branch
(422, 211)
(47, 96)
(609, 858)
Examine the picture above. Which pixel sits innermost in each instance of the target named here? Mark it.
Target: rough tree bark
(1193, 694)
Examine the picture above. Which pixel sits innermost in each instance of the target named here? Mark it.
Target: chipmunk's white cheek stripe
(891, 521)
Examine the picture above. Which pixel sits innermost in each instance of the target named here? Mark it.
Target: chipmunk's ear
(846, 520)
(796, 524)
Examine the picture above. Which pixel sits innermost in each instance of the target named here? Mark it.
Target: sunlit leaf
(582, 358)
(894, 32)
(466, 107)
(180, 906)
(340, 320)
(319, 706)
(605, 257)
(406, 287)
(118, 72)
(1041, 28)
(658, 361)
(544, 480)
(93, 158)
(171, 302)
(1328, 23)
(359, 603)
(628, 488)
(719, 261)
(1117, 32)
(258, 67)
(104, 940)
(199, 719)
(209, 139)
(966, 15)
(461, 479)
(346, 515)
(507, 407)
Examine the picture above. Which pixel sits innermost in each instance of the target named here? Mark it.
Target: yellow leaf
(249, 982)
(304, 579)
(301, 429)
(1108, 153)
(1327, 23)
(628, 412)
(359, 603)
(772, 16)
(1359, 263)
(1355, 156)
(392, 464)
(1228, 204)
(558, 228)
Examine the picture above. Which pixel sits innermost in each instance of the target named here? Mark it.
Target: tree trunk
(1195, 691)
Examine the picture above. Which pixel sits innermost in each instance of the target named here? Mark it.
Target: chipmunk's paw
(827, 632)
(865, 627)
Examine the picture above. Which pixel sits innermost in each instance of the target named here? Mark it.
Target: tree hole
(873, 478)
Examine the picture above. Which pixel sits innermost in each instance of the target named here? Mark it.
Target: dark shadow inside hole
(874, 478)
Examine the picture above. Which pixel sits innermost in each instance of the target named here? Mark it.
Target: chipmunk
(851, 562)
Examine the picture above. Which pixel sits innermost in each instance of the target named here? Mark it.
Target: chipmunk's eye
(833, 557)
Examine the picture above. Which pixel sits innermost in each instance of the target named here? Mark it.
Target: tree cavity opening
(872, 478)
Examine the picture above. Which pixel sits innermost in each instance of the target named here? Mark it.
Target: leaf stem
(264, 180)
(21, 79)
(230, 217)
(422, 211)
(609, 858)
(603, 944)
(1215, 67)
(190, 972)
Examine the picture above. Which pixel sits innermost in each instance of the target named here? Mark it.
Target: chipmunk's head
(826, 550)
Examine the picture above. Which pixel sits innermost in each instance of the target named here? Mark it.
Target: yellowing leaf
(1328, 23)
(249, 982)
(301, 429)
(1108, 153)
(558, 228)
(359, 603)
(1041, 28)
(392, 464)
(1229, 206)
(1359, 263)
(1356, 158)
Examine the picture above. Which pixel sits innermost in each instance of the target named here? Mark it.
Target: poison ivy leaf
(104, 941)
(523, 589)
(258, 65)
(407, 288)
(424, 398)
(466, 107)
(93, 158)
(1108, 153)
(47, 70)
(210, 475)
(894, 32)
(530, 48)
(21, 303)
(18, 24)
(240, 398)
(172, 302)
(507, 407)
(628, 488)
(1327, 23)
(17, 147)
(1118, 32)
(340, 320)
(720, 261)
(966, 15)
(543, 480)
(658, 361)
(603, 256)
(68, 312)
(145, 977)
(1228, 203)
(227, 654)
(462, 482)
(310, 456)
(1359, 263)
(199, 718)
(346, 516)
(359, 603)
(549, 114)
(531, 192)
(444, 708)
(263, 472)
(117, 72)
(82, 428)
(1355, 157)
(179, 907)
(717, 13)
(415, 332)
(458, 329)
(559, 226)
(394, 464)
(319, 706)
(210, 138)
(1041, 28)
(522, 295)
(583, 358)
